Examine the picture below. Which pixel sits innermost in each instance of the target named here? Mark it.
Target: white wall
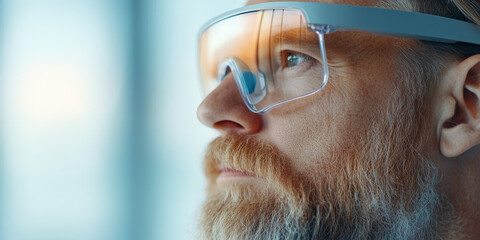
(62, 87)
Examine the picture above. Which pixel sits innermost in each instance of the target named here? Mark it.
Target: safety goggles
(276, 51)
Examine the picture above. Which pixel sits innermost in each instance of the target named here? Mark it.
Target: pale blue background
(98, 134)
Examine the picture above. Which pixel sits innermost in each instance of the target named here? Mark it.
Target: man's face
(349, 161)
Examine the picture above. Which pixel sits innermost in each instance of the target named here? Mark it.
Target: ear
(460, 128)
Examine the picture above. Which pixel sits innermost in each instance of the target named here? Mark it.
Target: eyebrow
(295, 34)
(297, 39)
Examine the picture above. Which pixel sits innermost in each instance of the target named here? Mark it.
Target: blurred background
(98, 132)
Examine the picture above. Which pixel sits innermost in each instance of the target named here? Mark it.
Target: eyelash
(302, 58)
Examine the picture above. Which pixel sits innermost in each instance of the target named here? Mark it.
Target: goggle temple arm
(321, 30)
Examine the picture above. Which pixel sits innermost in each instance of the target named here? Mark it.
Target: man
(387, 149)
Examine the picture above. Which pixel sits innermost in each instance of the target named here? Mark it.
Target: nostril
(228, 125)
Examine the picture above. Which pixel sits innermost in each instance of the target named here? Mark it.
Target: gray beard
(234, 215)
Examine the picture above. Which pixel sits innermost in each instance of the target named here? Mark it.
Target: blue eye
(293, 59)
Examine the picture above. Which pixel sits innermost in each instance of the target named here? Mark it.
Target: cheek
(322, 126)
(310, 130)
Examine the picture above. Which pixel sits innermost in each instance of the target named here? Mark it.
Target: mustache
(254, 157)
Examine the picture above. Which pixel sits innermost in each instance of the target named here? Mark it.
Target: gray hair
(464, 10)
(428, 60)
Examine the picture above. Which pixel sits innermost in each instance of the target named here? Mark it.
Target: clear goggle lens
(273, 56)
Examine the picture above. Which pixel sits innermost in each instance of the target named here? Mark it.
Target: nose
(224, 110)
